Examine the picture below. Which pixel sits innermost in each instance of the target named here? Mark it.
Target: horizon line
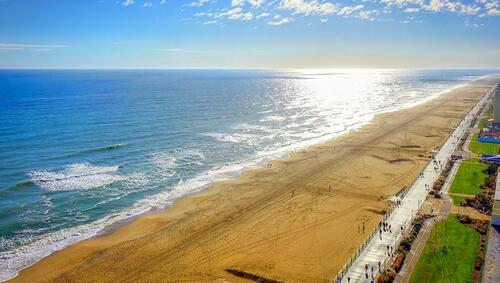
(250, 68)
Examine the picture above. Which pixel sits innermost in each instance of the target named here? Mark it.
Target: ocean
(82, 149)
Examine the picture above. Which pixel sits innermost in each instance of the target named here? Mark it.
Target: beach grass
(449, 253)
(469, 177)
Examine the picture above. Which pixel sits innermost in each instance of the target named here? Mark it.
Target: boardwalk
(418, 246)
(378, 248)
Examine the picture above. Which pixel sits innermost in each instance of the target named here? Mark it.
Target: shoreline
(270, 157)
(229, 175)
(413, 199)
(108, 224)
(208, 192)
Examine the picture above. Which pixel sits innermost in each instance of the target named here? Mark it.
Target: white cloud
(229, 13)
(461, 8)
(402, 3)
(280, 21)
(435, 5)
(493, 12)
(368, 15)
(492, 8)
(31, 47)
(147, 4)
(246, 10)
(349, 10)
(490, 5)
(246, 16)
(308, 7)
(256, 3)
(237, 3)
(236, 13)
(253, 3)
(198, 3)
(411, 10)
(127, 2)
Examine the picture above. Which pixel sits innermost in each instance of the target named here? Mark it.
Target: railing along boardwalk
(374, 250)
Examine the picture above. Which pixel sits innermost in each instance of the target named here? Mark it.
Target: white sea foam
(11, 261)
(251, 128)
(167, 161)
(234, 138)
(79, 176)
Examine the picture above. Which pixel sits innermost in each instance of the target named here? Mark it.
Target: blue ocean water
(81, 149)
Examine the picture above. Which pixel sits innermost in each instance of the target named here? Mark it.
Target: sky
(249, 34)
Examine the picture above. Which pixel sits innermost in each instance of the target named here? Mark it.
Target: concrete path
(413, 256)
(491, 269)
(491, 272)
(376, 249)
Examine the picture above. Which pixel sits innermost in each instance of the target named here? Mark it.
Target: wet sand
(298, 220)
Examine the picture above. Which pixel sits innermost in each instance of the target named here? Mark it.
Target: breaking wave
(79, 176)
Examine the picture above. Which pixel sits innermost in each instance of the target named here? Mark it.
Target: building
(496, 108)
(495, 213)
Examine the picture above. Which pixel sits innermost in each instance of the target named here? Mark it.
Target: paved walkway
(491, 272)
(413, 256)
(376, 250)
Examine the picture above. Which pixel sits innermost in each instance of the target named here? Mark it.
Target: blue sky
(250, 33)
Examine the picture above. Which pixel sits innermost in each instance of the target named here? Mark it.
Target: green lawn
(482, 122)
(453, 264)
(469, 177)
(483, 147)
(457, 199)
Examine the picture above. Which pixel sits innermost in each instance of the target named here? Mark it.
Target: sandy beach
(295, 220)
